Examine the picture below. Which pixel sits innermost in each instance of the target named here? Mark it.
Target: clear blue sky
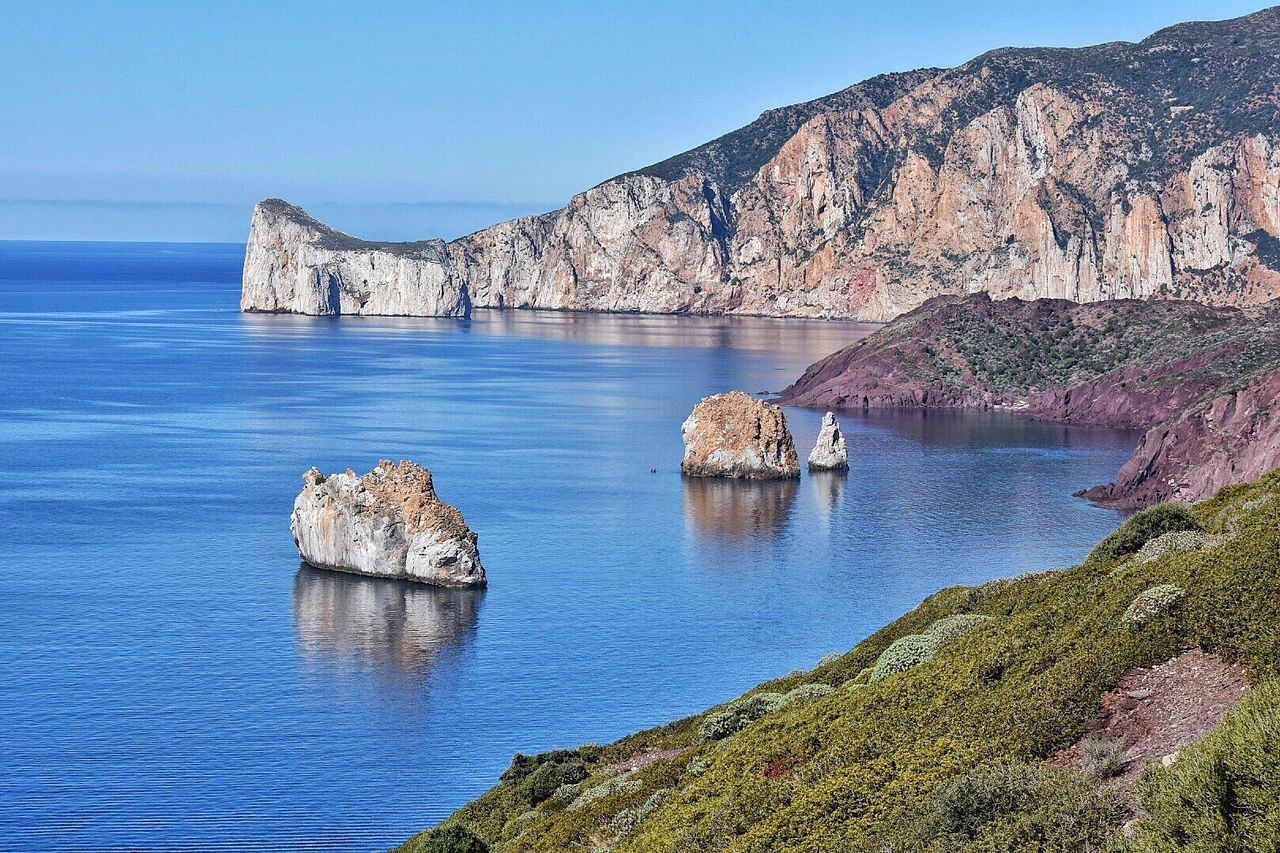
(167, 120)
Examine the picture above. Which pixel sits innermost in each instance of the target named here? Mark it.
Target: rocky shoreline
(1203, 381)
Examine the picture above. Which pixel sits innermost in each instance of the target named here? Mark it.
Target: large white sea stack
(829, 453)
(388, 523)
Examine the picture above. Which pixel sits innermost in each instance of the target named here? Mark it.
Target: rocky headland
(387, 523)
(1200, 378)
(1125, 170)
(734, 435)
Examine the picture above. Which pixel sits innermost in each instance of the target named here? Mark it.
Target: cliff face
(1123, 170)
(1227, 438)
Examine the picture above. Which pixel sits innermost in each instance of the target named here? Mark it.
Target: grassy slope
(862, 768)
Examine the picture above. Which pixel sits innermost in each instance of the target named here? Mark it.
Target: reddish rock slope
(1203, 380)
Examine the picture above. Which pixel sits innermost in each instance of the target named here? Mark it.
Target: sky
(166, 121)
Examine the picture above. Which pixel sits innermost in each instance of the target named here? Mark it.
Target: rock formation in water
(388, 523)
(735, 435)
(1122, 170)
(829, 452)
(1181, 369)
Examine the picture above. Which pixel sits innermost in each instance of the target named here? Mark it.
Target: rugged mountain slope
(1122, 170)
(1201, 378)
(948, 730)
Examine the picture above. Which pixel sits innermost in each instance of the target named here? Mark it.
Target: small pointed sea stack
(737, 436)
(829, 453)
(388, 523)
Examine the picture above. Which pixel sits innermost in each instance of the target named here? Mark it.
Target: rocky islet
(388, 523)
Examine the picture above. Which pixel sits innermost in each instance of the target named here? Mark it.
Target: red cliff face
(1173, 367)
(1231, 437)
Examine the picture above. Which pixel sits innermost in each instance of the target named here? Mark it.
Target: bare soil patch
(1155, 712)
(640, 760)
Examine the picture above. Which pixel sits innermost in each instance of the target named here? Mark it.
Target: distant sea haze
(228, 222)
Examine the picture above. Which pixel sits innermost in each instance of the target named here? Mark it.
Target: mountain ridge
(1125, 170)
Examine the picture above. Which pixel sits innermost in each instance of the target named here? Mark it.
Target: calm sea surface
(172, 678)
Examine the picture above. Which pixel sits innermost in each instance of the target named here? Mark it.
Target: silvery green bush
(904, 653)
(951, 627)
(1152, 603)
(1177, 542)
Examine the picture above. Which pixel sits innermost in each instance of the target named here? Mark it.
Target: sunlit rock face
(1227, 438)
(388, 523)
(296, 264)
(829, 451)
(737, 436)
(1122, 170)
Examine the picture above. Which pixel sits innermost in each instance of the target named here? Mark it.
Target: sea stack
(829, 453)
(388, 523)
(737, 436)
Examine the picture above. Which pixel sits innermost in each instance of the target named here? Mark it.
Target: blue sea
(174, 679)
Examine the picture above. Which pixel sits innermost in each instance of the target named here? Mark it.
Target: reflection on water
(380, 621)
(808, 340)
(828, 486)
(984, 429)
(726, 509)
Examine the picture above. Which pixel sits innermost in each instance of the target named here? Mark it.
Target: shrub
(904, 653)
(604, 789)
(454, 838)
(1224, 792)
(522, 765)
(719, 724)
(626, 821)
(1101, 758)
(950, 627)
(567, 793)
(698, 766)
(1177, 542)
(739, 714)
(1152, 603)
(829, 657)
(548, 778)
(1021, 806)
(804, 693)
(1141, 528)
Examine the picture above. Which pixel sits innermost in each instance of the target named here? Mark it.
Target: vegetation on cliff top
(950, 753)
(973, 345)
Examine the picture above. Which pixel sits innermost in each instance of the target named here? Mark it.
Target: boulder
(737, 436)
(829, 452)
(388, 523)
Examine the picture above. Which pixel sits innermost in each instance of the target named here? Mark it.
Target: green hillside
(933, 733)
